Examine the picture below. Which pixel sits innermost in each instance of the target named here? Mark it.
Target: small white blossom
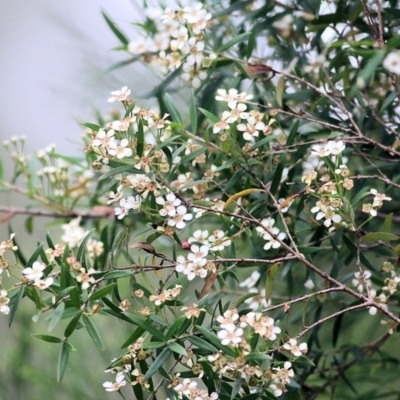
(120, 95)
(35, 272)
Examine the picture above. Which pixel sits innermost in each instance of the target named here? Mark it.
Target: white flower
(321, 150)
(35, 272)
(360, 280)
(199, 236)
(251, 281)
(133, 202)
(268, 223)
(231, 335)
(85, 278)
(192, 73)
(379, 197)
(74, 234)
(169, 204)
(218, 241)
(271, 242)
(120, 150)
(104, 139)
(229, 97)
(336, 147)
(180, 217)
(4, 300)
(185, 266)
(296, 350)
(114, 387)
(186, 386)
(44, 284)
(392, 62)
(120, 95)
(198, 252)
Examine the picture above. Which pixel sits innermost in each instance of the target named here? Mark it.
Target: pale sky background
(53, 57)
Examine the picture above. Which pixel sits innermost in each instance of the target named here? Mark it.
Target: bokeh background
(53, 74)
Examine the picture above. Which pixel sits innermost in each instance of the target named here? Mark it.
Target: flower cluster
(173, 209)
(178, 42)
(250, 123)
(270, 233)
(377, 203)
(35, 273)
(166, 295)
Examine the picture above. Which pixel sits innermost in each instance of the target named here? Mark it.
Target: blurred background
(54, 57)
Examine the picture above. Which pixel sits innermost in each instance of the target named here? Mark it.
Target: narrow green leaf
(250, 44)
(132, 338)
(387, 224)
(82, 247)
(14, 303)
(210, 116)
(140, 138)
(62, 361)
(93, 332)
(245, 297)
(35, 255)
(146, 326)
(152, 345)
(293, 133)
(72, 324)
(193, 113)
(173, 110)
(118, 274)
(91, 126)
(177, 348)
(213, 339)
(99, 294)
(48, 338)
(158, 363)
(269, 284)
(232, 42)
(174, 327)
(382, 236)
(236, 387)
(280, 88)
(122, 38)
(118, 170)
(202, 344)
(57, 315)
(261, 142)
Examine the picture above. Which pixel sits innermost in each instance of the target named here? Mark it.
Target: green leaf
(387, 224)
(14, 303)
(98, 294)
(72, 324)
(146, 326)
(261, 142)
(29, 224)
(202, 344)
(35, 255)
(213, 339)
(152, 345)
(158, 363)
(57, 315)
(132, 338)
(269, 284)
(210, 116)
(118, 274)
(118, 170)
(140, 138)
(177, 348)
(93, 332)
(382, 236)
(48, 338)
(280, 88)
(245, 297)
(175, 114)
(91, 126)
(62, 361)
(174, 327)
(193, 113)
(122, 38)
(232, 42)
(293, 133)
(250, 44)
(82, 247)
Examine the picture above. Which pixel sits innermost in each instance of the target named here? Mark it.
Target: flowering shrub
(252, 219)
